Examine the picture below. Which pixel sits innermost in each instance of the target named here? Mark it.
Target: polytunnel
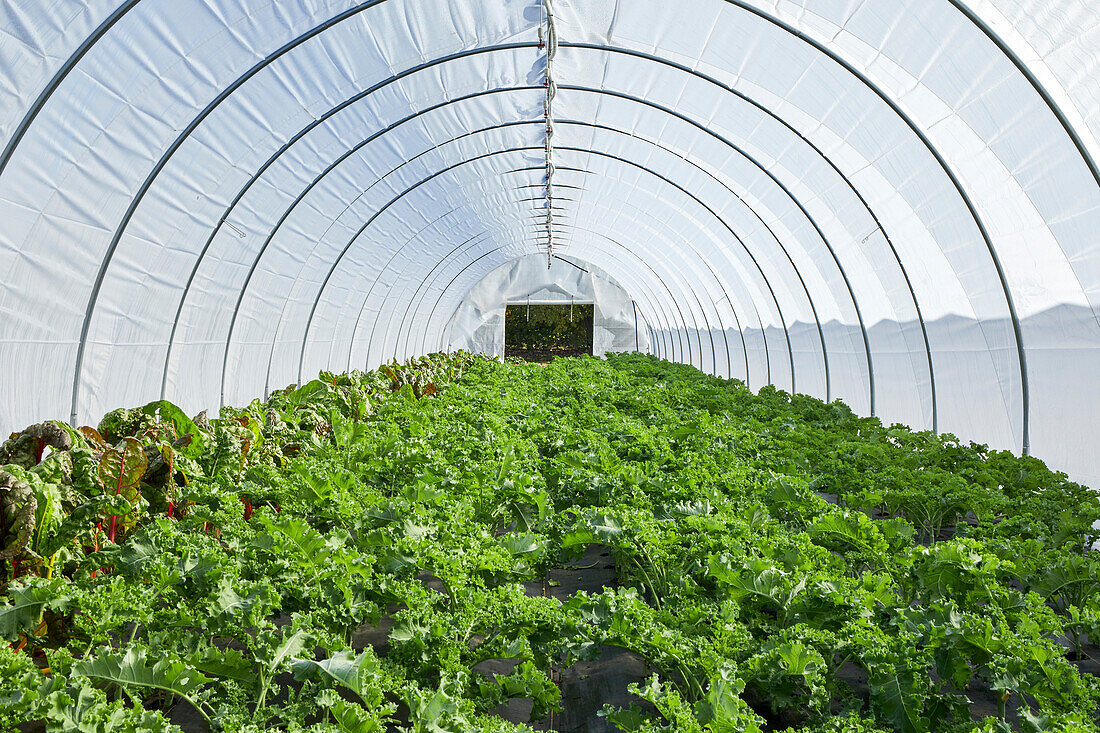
(894, 203)
(680, 366)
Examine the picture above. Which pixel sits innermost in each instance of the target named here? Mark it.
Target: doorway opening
(539, 332)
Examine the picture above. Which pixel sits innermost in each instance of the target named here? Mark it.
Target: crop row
(351, 554)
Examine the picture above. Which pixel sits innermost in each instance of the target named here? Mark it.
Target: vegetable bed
(453, 543)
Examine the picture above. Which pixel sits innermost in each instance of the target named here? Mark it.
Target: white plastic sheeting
(478, 323)
(893, 202)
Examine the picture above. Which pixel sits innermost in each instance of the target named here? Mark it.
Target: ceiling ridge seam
(548, 39)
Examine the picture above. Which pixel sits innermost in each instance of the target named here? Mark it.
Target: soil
(587, 686)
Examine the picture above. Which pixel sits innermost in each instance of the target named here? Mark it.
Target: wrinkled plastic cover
(892, 202)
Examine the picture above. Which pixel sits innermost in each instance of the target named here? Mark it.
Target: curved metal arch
(652, 301)
(829, 162)
(573, 225)
(1037, 85)
(347, 154)
(1025, 391)
(729, 365)
(767, 227)
(871, 379)
(282, 313)
(275, 157)
(366, 298)
(439, 298)
(722, 221)
(293, 205)
(406, 119)
(464, 54)
(649, 296)
(682, 275)
(425, 180)
(217, 101)
(750, 208)
(809, 297)
(788, 193)
(625, 161)
(702, 310)
(657, 312)
(363, 94)
(1046, 96)
(645, 264)
(128, 5)
(778, 183)
(194, 125)
(58, 77)
(608, 49)
(337, 261)
(668, 181)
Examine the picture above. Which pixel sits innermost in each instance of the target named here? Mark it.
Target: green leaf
(438, 711)
(526, 680)
(90, 712)
(296, 538)
(385, 514)
(895, 697)
(595, 527)
(755, 578)
(228, 602)
(785, 491)
(291, 646)
(308, 392)
(133, 668)
(81, 520)
(407, 630)
(723, 710)
(23, 607)
(629, 720)
(523, 544)
(349, 716)
(84, 713)
(361, 674)
(165, 411)
(686, 431)
(23, 688)
(346, 432)
(415, 531)
(698, 508)
(226, 663)
(799, 660)
(396, 563)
